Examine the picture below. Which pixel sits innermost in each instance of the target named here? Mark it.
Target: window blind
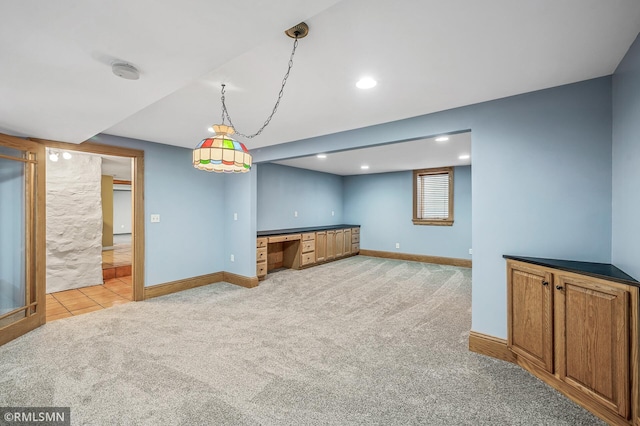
(433, 196)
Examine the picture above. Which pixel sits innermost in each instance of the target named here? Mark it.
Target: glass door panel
(21, 290)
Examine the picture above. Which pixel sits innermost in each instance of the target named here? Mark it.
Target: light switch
(235, 216)
(155, 218)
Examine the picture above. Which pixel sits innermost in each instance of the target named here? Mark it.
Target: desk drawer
(355, 230)
(261, 269)
(309, 236)
(281, 238)
(261, 254)
(308, 246)
(261, 242)
(355, 238)
(308, 258)
(355, 248)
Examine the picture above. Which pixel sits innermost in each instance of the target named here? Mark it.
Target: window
(433, 196)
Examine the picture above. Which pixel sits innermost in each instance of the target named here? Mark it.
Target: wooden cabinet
(592, 340)
(347, 242)
(308, 249)
(261, 258)
(579, 334)
(321, 246)
(339, 246)
(355, 240)
(331, 245)
(529, 303)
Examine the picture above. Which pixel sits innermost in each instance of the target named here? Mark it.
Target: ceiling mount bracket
(298, 31)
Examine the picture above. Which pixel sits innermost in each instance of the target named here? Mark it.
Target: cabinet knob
(559, 287)
(545, 282)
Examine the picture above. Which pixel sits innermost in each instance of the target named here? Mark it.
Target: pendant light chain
(225, 113)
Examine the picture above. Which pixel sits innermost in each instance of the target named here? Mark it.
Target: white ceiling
(427, 55)
(412, 155)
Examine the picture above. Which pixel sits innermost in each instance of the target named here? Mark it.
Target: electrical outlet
(470, 251)
(295, 213)
(233, 258)
(397, 245)
(333, 213)
(235, 216)
(155, 218)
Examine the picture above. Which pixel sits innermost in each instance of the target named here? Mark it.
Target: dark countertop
(303, 230)
(598, 270)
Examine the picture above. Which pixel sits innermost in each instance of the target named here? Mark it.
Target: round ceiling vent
(124, 70)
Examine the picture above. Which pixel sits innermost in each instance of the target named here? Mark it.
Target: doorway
(134, 282)
(89, 232)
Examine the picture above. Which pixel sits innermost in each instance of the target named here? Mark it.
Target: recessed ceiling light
(442, 139)
(366, 83)
(321, 155)
(53, 156)
(364, 167)
(464, 157)
(66, 155)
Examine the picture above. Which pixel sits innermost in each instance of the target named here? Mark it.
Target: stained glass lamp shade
(222, 153)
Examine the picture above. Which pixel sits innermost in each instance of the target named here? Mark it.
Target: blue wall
(383, 205)
(240, 196)
(282, 190)
(626, 163)
(541, 179)
(189, 240)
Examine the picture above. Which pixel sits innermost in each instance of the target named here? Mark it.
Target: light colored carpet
(357, 341)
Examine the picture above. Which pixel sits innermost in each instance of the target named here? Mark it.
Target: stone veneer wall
(74, 222)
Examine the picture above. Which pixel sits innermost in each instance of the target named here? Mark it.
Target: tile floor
(119, 256)
(116, 262)
(63, 304)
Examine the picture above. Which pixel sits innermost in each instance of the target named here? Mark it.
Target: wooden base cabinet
(592, 323)
(579, 334)
(339, 246)
(321, 246)
(530, 307)
(331, 245)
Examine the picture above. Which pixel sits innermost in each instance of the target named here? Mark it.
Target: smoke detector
(126, 71)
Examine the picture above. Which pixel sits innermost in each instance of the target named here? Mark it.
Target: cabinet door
(592, 321)
(321, 246)
(339, 243)
(347, 242)
(331, 245)
(530, 314)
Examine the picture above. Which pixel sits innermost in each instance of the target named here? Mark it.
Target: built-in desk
(297, 248)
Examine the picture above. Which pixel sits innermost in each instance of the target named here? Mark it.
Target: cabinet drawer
(355, 238)
(308, 246)
(355, 248)
(261, 254)
(308, 258)
(309, 236)
(261, 242)
(355, 230)
(281, 238)
(261, 269)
